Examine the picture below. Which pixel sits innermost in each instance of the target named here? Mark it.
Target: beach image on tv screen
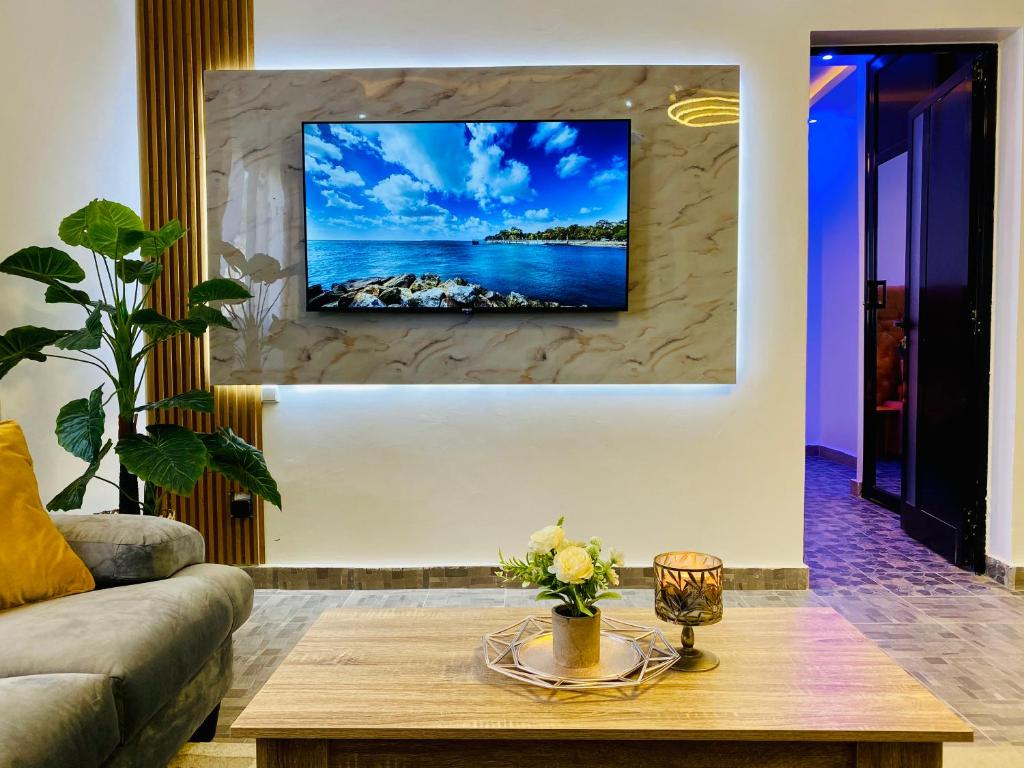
(490, 216)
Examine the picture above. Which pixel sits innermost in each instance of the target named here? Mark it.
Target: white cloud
(491, 176)
(326, 174)
(337, 200)
(434, 153)
(554, 137)
(347, 137)
(538, 214)
(408, 208)
(316, 147)
(607, 176)
(400, 193)
(339, 177)
(586, 210)
(616, 172)
(433, 223)
(474, 227)
(570, 165)
(314, 165)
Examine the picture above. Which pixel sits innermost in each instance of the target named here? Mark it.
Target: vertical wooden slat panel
(177, 41)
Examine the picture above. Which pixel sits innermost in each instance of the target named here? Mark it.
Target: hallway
(855, 547)
(961, 634)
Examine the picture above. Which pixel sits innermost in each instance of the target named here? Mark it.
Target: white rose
(546, 539)
(572, 565)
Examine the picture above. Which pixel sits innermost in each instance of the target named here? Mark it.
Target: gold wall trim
(176, 41)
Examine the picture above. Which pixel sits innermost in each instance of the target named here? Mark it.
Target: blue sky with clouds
(461, 181)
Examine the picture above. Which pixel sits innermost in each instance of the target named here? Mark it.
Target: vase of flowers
(577, 574)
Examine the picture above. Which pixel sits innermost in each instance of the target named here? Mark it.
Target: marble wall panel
(681, 323)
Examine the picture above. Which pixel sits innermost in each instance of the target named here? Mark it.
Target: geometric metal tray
(630, 655)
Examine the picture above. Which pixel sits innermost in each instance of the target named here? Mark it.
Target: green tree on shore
(599, 230)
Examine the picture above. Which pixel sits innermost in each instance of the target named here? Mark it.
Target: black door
(898, 80)
(949, 223)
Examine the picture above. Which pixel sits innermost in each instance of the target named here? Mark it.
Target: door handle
(873, 301)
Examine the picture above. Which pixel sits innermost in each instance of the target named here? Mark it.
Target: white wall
(1006, 433)
(835, 256)
(69, 133)
(436, 475)
(444, 475)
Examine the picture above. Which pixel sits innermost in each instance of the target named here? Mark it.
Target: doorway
(925, 179)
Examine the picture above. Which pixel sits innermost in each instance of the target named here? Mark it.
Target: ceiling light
(706, 111)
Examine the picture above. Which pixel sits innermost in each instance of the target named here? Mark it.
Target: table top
(802, 674)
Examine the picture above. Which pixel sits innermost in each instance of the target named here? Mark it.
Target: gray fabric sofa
(122, 676)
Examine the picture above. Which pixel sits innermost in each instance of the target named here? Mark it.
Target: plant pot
(576, 639)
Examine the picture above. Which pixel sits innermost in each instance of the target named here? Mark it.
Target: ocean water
(568, 274)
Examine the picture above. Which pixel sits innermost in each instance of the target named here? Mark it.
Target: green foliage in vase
(575, 572)
(127, 264)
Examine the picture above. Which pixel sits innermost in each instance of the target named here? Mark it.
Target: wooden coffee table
(798, 687)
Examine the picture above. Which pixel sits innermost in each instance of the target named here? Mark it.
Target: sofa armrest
(128, 549)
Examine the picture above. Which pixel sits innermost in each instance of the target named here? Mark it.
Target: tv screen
(449, 216)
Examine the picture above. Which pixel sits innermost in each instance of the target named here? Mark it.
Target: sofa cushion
(35, 560)
(127, 549)
(234, 582)
(53, 721)
(150, 638)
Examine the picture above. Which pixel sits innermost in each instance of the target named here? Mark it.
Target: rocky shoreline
(407, 291)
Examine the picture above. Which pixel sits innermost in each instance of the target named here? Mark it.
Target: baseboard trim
(824, 452)
(1010, 576)
(482, 577)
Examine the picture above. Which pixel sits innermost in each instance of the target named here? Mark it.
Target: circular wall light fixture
(705, 111)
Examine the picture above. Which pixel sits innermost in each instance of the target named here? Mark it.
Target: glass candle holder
(688, 591)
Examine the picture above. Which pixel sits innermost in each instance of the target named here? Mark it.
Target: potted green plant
(127, 265)
(578, 575)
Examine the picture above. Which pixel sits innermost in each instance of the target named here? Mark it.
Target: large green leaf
(26, 343)
(173, 457)
(209, 315)
(145, 272)
(161, 327)
(43, 264)
(71, 498)
(58, 293)
(106, 227)
(72, 229)
(234, 458)
(155, 242)
(218, 289)
(80, 426)
(193, 400)
(89, 337)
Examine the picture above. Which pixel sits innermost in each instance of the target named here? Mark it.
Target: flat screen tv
(455, 216)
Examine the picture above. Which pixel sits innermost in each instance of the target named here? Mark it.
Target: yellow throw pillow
(36, 562)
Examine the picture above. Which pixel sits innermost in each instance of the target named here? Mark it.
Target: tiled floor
(962, 635)
(888, 475)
